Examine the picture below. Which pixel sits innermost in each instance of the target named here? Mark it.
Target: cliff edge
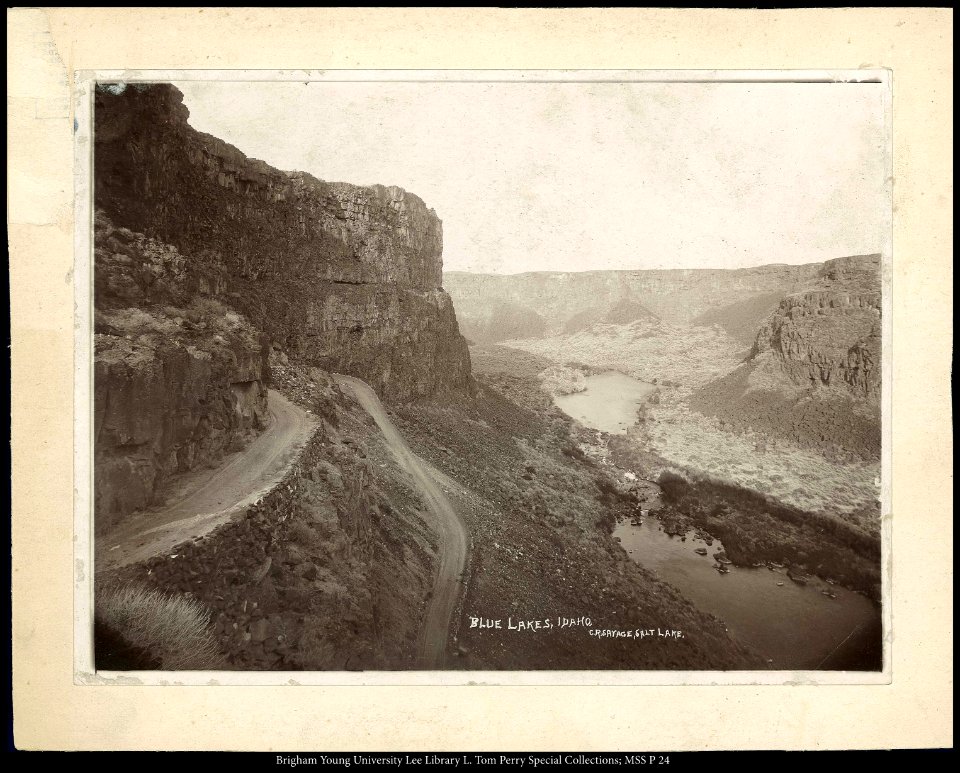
(814, 374)
(341, 277)
(829, 334)
(206, 261)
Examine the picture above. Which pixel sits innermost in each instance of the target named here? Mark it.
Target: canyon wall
(179, 379)
(343, 277)
(493, 307)
(814, 374)
(204, 260)
(830, 333)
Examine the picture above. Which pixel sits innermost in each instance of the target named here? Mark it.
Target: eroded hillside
(494, 308)
(814, 372)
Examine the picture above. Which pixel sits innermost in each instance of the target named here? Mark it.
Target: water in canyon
(794, 626)
(609, 403)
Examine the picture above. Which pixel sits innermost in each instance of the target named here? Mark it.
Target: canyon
(404, 491)
(498, 307)
(814, 373)
(792, 351)
(224, 290)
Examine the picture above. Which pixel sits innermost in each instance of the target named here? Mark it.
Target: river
(610, 402)
(794, 626)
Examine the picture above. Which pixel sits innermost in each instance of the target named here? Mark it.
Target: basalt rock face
(205, 260)
(497, 308)
(343, 277)
(830, 333)
(814, 374)
(179, 379)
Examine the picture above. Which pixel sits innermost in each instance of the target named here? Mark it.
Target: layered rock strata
(343, 277)
(179, 380)
(829, 334)
(205, 260)
(814, 374)
(494, 308)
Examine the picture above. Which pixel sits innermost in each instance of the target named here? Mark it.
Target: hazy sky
(578, 176)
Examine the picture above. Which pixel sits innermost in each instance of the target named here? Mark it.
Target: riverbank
(756, 528)
(541, 516)
(828, 566)
(796, 621)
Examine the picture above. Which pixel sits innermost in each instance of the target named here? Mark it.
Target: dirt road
(449, 528)
(203, 500)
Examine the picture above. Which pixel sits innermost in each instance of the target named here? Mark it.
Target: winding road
(205, 499)
(450, 530)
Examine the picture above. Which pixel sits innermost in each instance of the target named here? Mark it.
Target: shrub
(315, 651)
(208, 308)
(114, 653)
(574, 452)
(672, 486)
(326, 409)
(608, 489)
(562, 380)
(173, 631)
(302, 534)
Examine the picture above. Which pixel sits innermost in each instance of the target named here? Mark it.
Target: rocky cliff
(829, 333)
(494, 307)
(814, 373)
(205, 260)
(179, 379)
(342, 277)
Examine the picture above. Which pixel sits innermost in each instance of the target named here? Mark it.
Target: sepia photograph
(488, 372)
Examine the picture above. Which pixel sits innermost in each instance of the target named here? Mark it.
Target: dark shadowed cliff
(206, 260)
(342, 277)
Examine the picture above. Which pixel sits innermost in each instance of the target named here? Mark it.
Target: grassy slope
(830, 421)
(493, 359)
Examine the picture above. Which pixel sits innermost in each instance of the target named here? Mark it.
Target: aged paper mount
(51, 712)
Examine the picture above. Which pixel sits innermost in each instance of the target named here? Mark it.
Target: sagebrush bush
(303, 534)
(173, 630)
(208, 308)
